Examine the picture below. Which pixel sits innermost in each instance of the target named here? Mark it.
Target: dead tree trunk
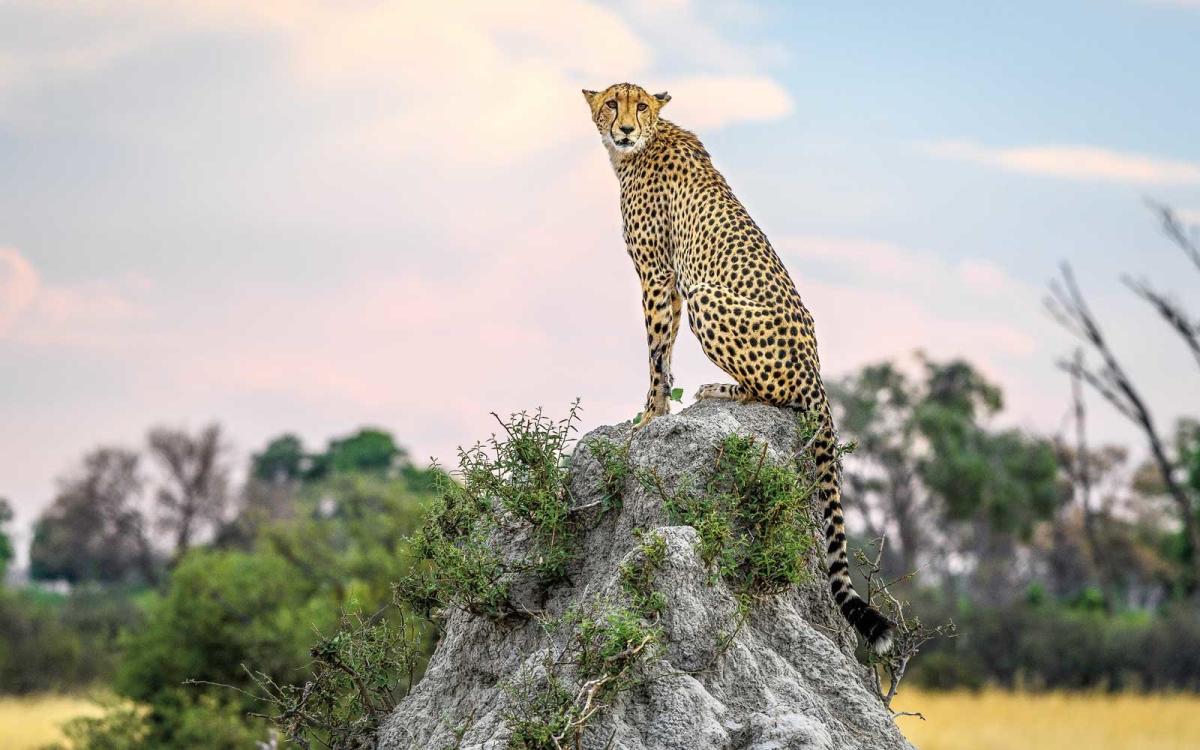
(1082, 479)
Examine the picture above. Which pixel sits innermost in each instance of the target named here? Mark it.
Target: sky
(314, 216)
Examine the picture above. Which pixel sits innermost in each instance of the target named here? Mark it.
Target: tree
(195, 491)
(6, 547)
(1082, 466)
(283, 460)
(94, 530)
(926, 460)
(1006, 476)
(876, 412)
(1188, 442)
(992, 487)
(368, 450)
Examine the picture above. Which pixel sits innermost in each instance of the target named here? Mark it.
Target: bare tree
(1168, 308)
(1078, 463)
(94, 530)
(196, 487)
(1067, 305)
(1188, 240)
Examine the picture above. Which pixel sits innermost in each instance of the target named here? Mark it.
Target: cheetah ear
(662, 98)
(590, 96)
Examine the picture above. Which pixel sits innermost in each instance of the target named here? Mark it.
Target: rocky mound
(645, 644)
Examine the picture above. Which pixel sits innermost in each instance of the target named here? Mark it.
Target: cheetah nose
(626, 129)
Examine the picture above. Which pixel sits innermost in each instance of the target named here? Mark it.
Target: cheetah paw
(719, 390)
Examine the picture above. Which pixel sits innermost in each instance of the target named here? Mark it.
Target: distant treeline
(178, 579)
(179, 583)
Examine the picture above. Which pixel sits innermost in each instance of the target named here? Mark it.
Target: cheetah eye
(641, 106)
(611, 103)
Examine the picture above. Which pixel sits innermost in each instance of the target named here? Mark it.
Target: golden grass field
(999, 720)
(28, 723)
(990, 720)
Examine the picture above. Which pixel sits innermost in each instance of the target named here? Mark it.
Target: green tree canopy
(283, 459)
(925, 450)
(368, 450)
(6, 546)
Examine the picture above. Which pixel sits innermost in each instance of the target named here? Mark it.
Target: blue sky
(311, 216)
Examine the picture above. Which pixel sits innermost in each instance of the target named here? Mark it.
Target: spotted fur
(692, 241)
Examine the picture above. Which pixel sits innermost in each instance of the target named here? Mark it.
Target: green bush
(516, 480)
(197, 722)
(1056, 646)
(609, 645)
(121, 727)
(360, 672)
(608, 648)
(637, 576)
(753, 517)
(541, 714)
(222, 610)
(50, 642)
(614, 467)
(457, 564)
(36, 651)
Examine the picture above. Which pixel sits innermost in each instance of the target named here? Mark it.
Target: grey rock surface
(788, 681)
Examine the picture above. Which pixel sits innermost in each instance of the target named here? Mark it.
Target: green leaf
(677, 395)
(638, 418)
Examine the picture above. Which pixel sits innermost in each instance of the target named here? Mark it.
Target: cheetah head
(626, 116)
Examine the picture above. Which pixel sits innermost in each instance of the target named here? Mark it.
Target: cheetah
(692, 241)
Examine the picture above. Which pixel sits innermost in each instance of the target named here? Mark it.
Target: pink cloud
(984, 276)
(890, 301)
(86, 314)
(18, 286)
(1072, 162)
(876, 258)
(860, 325)
(552, 313)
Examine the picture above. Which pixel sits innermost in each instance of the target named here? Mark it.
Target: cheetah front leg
(660, 305)
(672, 336)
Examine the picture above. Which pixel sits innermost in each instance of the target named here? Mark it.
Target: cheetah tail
(874, 626)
